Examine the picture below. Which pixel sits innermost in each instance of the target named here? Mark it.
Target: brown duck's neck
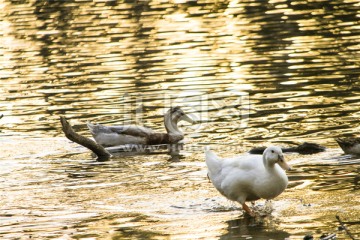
(171, 125)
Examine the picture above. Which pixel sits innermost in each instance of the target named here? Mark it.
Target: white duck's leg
(242, 200)
(247, 209)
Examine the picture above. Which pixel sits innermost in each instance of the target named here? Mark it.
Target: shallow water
(251, 73)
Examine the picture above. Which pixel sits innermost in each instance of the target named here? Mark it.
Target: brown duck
(109, 136)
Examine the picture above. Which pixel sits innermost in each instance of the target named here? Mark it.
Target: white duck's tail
(213, 162)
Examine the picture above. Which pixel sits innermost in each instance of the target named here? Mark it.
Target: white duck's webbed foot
(259, 210)
(268, 208)
(263, 209)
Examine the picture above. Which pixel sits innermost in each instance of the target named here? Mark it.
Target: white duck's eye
(272, 151)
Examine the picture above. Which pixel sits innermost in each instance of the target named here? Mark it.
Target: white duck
(249, 177)
(127, 134)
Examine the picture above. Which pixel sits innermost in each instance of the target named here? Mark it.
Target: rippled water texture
(252, 72)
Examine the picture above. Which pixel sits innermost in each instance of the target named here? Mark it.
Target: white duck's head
(274, 155)
(171, 119)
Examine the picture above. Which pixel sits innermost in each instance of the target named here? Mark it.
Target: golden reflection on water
(294, 63)
(90, 56)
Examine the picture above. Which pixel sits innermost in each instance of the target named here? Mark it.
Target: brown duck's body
(349, 145)
(163, 138)
(120, 135)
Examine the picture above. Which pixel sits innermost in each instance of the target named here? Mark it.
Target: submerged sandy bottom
(51, 188)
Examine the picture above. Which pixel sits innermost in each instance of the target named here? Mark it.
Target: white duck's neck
(267, 164)
(171, 125)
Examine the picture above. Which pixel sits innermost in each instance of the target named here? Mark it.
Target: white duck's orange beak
(283, 164)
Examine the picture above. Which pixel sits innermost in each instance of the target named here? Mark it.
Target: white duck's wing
(245, 169)
(218, 166)
(244, 162)
(235, 177)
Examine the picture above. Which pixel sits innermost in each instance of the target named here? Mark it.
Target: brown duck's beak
(186, 118)
(283, 164)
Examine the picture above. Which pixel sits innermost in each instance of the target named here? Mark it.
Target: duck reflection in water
(262, 229)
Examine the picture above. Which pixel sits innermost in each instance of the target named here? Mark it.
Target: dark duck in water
(350, 145)
(304, 148)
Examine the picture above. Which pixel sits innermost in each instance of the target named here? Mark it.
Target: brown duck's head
(177, 114)
(173, 116)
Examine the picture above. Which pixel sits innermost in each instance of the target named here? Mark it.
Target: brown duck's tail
(96, 128)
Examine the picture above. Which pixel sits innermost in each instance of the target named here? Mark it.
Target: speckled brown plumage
(349, 145)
